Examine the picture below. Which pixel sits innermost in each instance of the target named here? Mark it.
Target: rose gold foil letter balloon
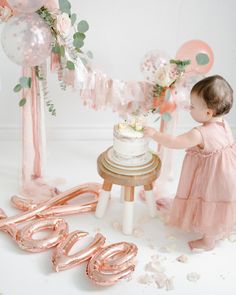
(26, 6)
(26, 40)
(62, 259)
(112, 264)
(27, 242)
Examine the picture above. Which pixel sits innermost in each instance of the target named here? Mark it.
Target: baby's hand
(149, 131)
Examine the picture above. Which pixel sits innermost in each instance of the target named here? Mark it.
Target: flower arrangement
(67, 41)
(165, 79)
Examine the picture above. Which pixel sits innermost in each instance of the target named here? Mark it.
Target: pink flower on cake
(63, 23)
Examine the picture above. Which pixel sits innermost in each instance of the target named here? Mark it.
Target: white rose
(5, 13)
(163, 76)
(63, 23)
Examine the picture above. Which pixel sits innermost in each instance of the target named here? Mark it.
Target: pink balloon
(26, 40)
(152, 61)
(26, 6)
(200, 54)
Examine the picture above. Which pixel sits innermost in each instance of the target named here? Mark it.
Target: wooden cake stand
(128, 177)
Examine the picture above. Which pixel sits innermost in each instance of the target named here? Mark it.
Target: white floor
(27, 274)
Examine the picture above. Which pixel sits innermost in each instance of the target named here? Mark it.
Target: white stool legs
(150, 200)
(122, 194)
(127, 193)
(128, 210)
(128, 216)
(103, 200)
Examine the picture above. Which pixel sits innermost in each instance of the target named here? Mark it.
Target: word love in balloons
(106, 265)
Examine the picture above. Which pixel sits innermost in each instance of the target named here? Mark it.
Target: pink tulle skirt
(211, 218)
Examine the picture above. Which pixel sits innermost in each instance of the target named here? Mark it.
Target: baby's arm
(183, 141)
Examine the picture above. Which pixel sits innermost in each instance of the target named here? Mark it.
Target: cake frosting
(128, 142)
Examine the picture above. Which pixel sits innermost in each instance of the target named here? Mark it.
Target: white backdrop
(121, 32)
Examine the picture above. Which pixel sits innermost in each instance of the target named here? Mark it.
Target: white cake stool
(127, 177)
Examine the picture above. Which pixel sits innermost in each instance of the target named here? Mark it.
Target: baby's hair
(216, 92)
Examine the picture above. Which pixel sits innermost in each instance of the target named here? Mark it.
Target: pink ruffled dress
(206, 196)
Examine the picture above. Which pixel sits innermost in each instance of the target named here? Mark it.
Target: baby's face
(199, 110)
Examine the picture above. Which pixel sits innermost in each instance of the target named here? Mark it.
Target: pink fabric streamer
(69, 77)
(99, 91)
(55, 61)
(33, 143)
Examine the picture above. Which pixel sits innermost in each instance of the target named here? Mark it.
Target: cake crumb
(171, 237)
(160, 280)
(182, 259)
(154, 266)
(193, 276)
(169, 284)
(168, 248)
(138, 233)
(116, 225)
(145, 279)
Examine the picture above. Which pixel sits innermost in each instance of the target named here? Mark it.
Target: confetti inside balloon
(26, 40)
(26, 6)
(152, 61)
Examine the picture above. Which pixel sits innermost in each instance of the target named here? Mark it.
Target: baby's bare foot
(205, 244)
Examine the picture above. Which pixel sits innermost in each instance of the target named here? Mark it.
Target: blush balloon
(199, 53)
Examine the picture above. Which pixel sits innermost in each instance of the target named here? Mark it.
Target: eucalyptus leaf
(70, 65)
(73, 18)
(157, 110)
(17, 88)
(56, 49)
(62, 50)
(78, 43)
(83, 26)
(84, 61)
(65, 6)
(167, 94)
(25, 82)
(166, 117)
(78, 50)
(90, 54)
(80, 36)
(22, 102)
(202, 59)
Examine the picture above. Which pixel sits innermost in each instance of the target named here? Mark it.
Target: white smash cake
(130, 146)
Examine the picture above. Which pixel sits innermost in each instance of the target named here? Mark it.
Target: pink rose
(63, 23)
(52, 5)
